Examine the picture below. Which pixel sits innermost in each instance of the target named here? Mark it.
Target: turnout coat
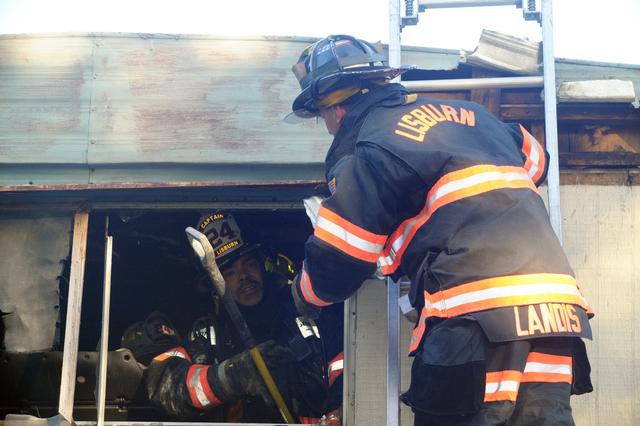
(445, 193)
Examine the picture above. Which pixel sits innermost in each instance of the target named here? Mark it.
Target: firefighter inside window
(208, 374)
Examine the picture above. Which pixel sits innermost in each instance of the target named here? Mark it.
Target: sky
(605, 31)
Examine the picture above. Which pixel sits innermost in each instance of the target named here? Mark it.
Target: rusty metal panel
(164, 99)
(45, 91)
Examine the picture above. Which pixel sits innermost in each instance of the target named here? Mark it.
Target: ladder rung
(442, 4)
(473, 83)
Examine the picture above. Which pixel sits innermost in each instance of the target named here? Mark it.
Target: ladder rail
(547, 81)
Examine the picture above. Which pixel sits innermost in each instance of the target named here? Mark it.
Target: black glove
(238, 377)
(304, 308)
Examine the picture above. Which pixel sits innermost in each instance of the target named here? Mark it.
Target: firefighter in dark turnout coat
(444, 193)
(211, 376)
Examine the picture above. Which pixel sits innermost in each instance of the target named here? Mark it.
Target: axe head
(202, 248)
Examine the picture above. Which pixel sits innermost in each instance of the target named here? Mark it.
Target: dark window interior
(154, 269)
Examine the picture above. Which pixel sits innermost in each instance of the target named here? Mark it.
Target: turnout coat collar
(344, 142)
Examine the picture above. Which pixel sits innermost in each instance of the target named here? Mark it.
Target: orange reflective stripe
(208, 392)
(547, 377)
(418, 331)
(350, 227)
(200, 392)
(500, 302)
(335, 367)
(502, 385)
(343, 246)
(505, 281)
(549, 359)
(347, 237)
(450, 188)
(548, 368)
(307, 290)
(500, 396)
(473, 171)
(514, 290)
(162, 357)
(174, 352)
(498, 292)
(505, 375)
(534, 164)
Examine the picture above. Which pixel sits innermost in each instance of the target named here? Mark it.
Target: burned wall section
(34, 249)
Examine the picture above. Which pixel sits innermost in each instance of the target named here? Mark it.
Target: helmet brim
(227, 260)
(304, 105)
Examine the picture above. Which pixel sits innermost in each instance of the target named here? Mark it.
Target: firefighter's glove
(239, 378)
(304, 308)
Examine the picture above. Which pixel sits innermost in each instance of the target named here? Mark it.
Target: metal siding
(45, 90)
(601, 227)
(150, 108)
(102, 108)
(195, 101)
(602, 234)
(371, 354)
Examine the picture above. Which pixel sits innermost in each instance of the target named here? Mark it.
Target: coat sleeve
(535, 158)
(369, 201)
(177, 386)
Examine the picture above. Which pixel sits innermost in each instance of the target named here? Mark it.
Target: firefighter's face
(244, 280)
(332, 117)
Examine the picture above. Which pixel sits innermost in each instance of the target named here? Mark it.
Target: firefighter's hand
(304, 308)
(332, 418)
(240, 378)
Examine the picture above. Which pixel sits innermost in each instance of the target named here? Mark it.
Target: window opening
(153, 269)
